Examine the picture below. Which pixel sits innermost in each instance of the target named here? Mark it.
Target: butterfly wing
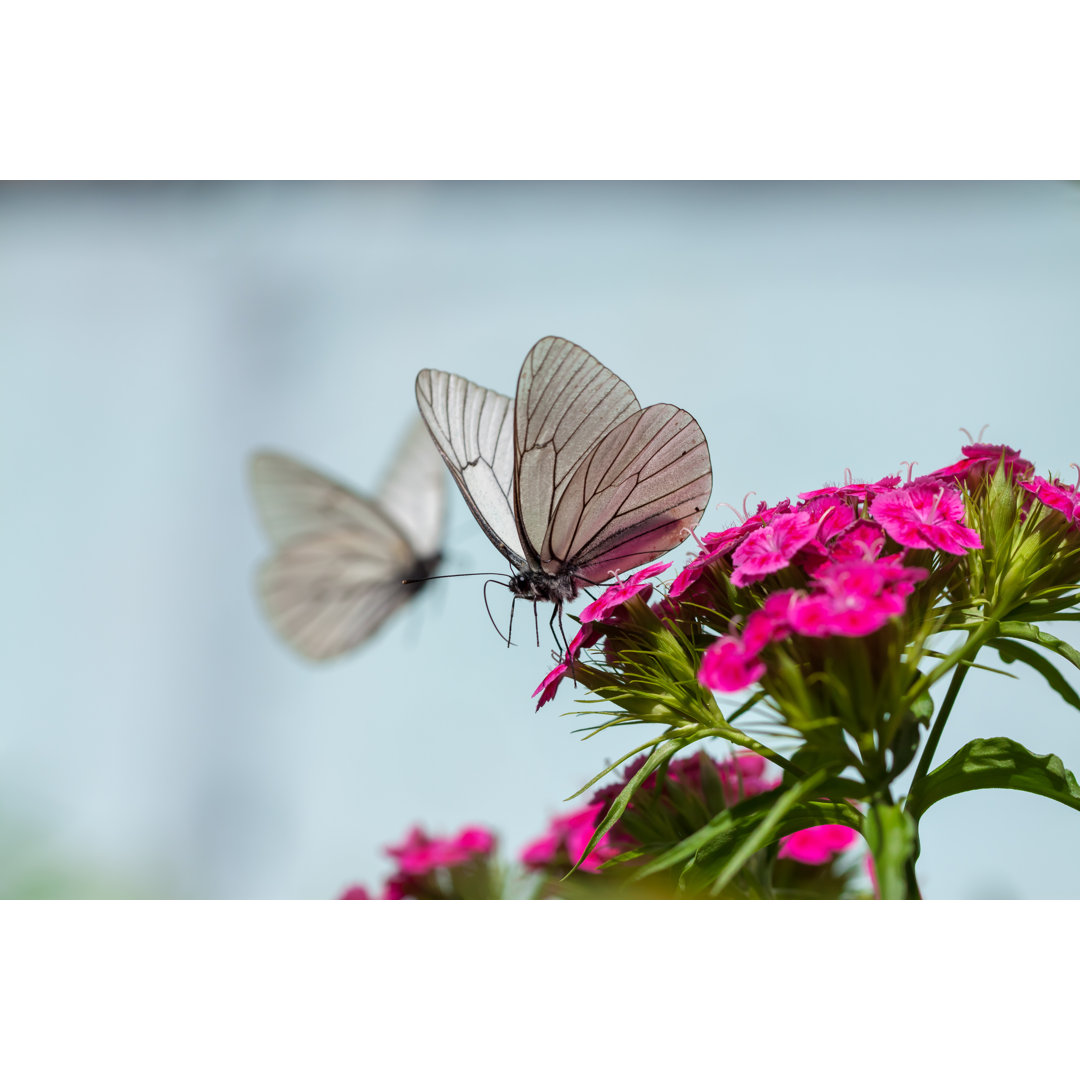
(566, 403)
(413, 493)
(473, 430)
(337, 574)
(636, 495)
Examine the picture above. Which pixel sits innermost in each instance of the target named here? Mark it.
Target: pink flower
(772, 547)
(355, 892)
(585, 638)
(980, 461)
(568, 835)
(729, 665)
(606, 609)
(832, 515)
(818, 844)
(925, 516)
(855, 598)
(1058, 496)
(689, 575)
(549, 685)
(862, 540)
(420, 854)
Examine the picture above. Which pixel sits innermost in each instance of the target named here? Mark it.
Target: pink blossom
(606, 608)
(832, 515)
(689, 575)
(1058, 496)
(771, 547)
(855, 598)
(729, 665)
(981, 460)
(862, 540)
(716, 545)
(585, 638)
(420, 854)
(761, 628)
(925, 516)
(355, 892)
(816, 845)
(549, 685)
(568, 835)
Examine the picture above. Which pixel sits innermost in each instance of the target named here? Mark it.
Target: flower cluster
(833, 615)
(841, 562)
(672, 806)
(690, 792)
(436, 868)
(826, 611)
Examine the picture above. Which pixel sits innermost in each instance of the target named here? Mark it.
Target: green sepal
(996, 763)
(1011, 651)
(890, 834)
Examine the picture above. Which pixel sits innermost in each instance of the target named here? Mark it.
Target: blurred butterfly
(572, 481)
(341, 558)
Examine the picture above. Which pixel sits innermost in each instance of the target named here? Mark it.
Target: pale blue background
(157, 738)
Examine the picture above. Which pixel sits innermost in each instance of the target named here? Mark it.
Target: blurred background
(156, 739)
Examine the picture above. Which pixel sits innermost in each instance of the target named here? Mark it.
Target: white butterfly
(573, 481)
(340, 560)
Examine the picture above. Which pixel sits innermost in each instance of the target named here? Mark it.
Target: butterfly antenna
(487, 608)
(439, 577)
(536, 621)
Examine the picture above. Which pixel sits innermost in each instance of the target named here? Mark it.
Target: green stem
(925, 760)
(747, 742)
(940, 720)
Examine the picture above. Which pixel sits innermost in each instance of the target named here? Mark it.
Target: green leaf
(1011, 651)
(1022, 631)
(890, 833)
(764, 831)
(996, 763)
(660, 755)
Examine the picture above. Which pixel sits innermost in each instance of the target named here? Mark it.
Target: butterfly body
(572, 481)
(537, 585)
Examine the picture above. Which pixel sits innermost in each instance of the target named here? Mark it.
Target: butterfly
(341, 558)
(573, 480)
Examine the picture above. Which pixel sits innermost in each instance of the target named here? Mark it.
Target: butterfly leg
(487, 607)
